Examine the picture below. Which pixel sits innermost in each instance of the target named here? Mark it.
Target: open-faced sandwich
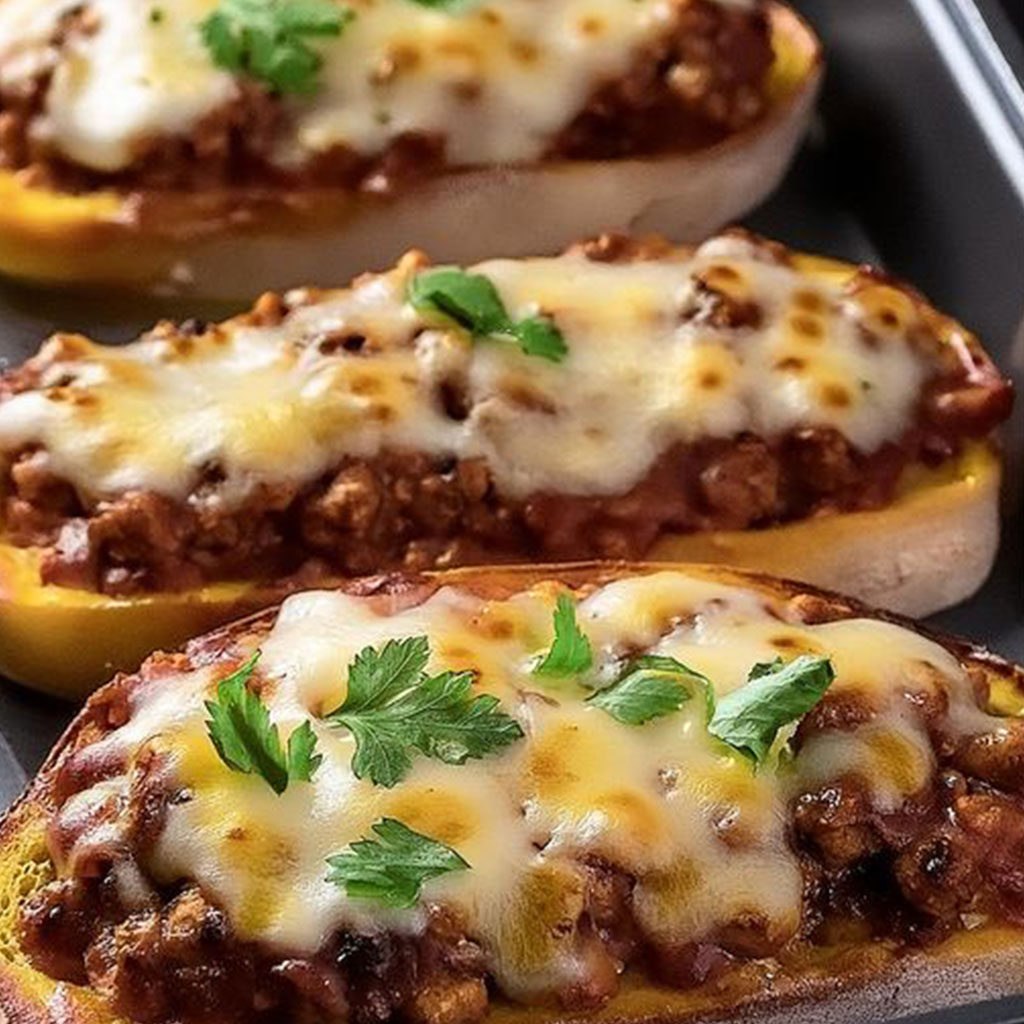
(236, 145)
(739, 403)
(509, 795)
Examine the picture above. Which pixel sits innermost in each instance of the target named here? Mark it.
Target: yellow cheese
(498, 79)
(703, 834)
(286, 403)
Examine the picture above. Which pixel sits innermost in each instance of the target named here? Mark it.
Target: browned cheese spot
(791, 364)
(467, 91)
(888, 316)
(787, 642)
(836, 396)
(721, 275)
(84, 399)
(809, 302)
(364, 384)
(807, 328)
(493, 626)
(176, 349)
(523, 51)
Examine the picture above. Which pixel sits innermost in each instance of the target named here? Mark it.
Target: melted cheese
(271, 404)
(498, 79)
(704, 836)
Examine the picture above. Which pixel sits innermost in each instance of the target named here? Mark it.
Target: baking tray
(916, 162)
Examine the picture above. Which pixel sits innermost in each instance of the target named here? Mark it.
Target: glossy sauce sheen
(654, 800)
(498, 79)
(285, 403)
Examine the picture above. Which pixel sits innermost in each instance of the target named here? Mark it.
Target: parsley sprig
(749, 718)
(570, 653)
(394, 708)
(392, 868)
(247, 741)
(472, 302)
(267, 39)
(652, 686)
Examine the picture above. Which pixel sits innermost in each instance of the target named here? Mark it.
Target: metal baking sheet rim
(988, 83)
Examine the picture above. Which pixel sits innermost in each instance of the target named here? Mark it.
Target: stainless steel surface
(916, 163)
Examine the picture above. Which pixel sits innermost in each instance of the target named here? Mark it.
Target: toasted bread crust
(859, 981)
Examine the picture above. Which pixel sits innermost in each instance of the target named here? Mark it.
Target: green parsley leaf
(570, 653)
(267, 39)
(652, 686)
(765, 668)
(441, 5)
(750, 717)
(243, 735)
(393, 708)
(392, 868)
(376, 677)
(472, 302)
(540, 337)
(303, 760)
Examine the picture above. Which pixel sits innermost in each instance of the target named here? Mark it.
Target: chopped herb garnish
(392, 868)
(246, 740)
(776, 694)
(765, 668)
(472, 302)
(267, 39)
(441, 5)
(652, 686)
(393, 708)
(570, 653)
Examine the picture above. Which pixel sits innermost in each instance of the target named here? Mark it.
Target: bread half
(906, 763)
(735, 402)
(227, 245)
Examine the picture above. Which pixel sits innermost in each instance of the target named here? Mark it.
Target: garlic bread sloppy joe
(432, 800)
(145, 95)
(606, 403)
(382, 122)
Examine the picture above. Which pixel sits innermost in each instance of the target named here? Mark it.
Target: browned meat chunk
(57, 925)
(938, 874)
(837, 821)
(997, 756)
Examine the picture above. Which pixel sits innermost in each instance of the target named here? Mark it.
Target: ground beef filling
(413, 511)
(946, 860)
(702, 81)
(407, 510)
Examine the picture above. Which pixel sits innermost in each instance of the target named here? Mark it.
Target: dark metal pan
(916, 162)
